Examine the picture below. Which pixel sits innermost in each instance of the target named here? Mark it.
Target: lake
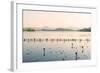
(41, 46)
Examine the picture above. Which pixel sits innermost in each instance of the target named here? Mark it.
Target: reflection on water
(55, 46)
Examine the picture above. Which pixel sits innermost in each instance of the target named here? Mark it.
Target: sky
(40, 19)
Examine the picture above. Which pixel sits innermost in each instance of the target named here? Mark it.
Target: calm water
(56, 46)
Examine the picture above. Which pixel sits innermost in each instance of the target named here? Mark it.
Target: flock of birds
(47, 40)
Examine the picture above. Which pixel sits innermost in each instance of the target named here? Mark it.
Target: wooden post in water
(87, 40)
(72, 45)
(80, 40)
(63, 59)
(34, 39)
(75, 55)
(46, 39)
(24, 39)
(43, 51)
(82, 49)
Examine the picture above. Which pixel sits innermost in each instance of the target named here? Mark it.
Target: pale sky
(55, 19)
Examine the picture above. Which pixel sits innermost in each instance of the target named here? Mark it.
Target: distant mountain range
(57, 29)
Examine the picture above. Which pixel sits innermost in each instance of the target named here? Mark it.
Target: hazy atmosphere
(55, 19)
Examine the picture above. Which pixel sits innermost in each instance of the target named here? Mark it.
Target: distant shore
(57, 29)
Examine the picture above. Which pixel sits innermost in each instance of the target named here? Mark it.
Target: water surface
(56, 46)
